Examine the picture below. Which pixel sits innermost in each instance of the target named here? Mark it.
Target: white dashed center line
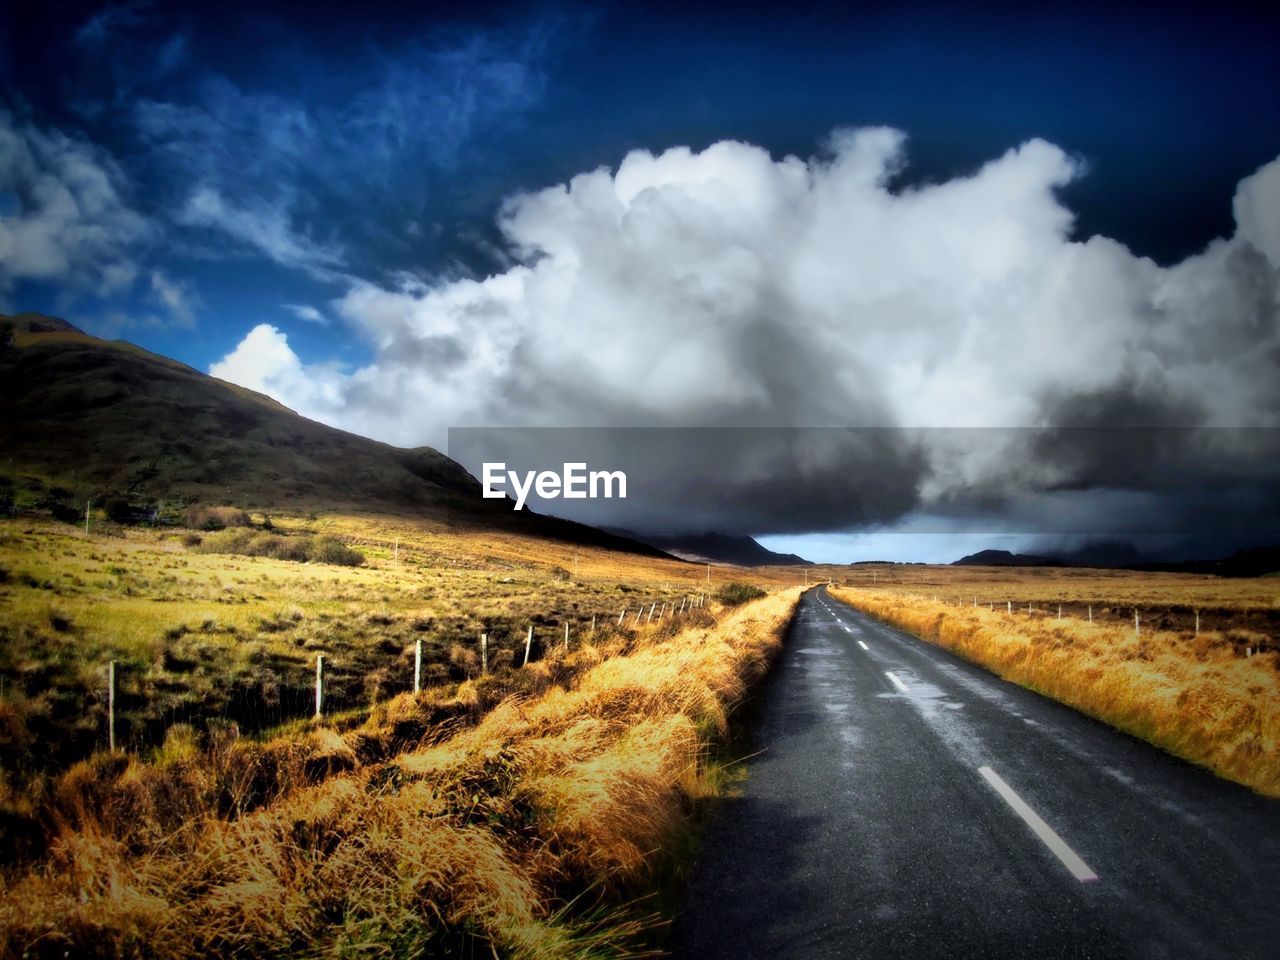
(865, 647)
(896, 682)
(1079, 869)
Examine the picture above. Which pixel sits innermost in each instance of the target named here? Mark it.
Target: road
(905, 803)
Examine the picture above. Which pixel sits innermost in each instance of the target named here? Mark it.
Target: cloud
(71, 223)
(175, 296)
(263, 361)
(295, 179)
(728, 288)
(265, 226)
(308, 313)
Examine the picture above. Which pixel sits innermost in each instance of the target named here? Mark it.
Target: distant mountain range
(740, 551)
(1254, 562)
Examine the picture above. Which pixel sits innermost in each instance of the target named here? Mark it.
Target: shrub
(732, 594)
(192, 539)
(256, 543)
(333, 550)
(198, 517)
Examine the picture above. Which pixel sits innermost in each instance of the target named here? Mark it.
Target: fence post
(621, 615)
(593, 624)
(652, 607)
(1197, 623)
(87, 505)
(1059, 611)
(683, 600)
(484, 653)
(566, 634)
(111, 704)
(417, 667)
(319, 684)
(638, 612)
(1010, 604)
(1091, 613)
(528, 645)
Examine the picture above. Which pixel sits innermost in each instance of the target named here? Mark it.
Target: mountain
(717, 548)
(1003, 558)
(82, 417)
(1254, 562)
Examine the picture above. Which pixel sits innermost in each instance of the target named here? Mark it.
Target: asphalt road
(908, 804)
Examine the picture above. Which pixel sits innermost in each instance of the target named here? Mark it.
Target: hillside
(1254, 562)
(82, 417)
(740, 551)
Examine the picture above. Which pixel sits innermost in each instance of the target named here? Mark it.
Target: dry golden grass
(521, 833)
(203, 638)
(1198, 696)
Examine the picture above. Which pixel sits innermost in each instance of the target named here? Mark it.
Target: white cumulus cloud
(70, 221)
(727, 287)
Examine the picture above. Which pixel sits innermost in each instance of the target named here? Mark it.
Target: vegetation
(732, 594)
(1208, 696)
(512, 812)
(199, 517)
(252, 543)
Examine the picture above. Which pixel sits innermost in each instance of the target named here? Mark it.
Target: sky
(399, 219)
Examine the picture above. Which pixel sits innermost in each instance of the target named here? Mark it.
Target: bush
(732, 594)
(255, 543)
(333, 550)
(117, 509)
(197, 517)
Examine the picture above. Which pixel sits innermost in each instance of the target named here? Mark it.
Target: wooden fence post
(566, 634)
(484, 653)
(621, 615)
(111, 706)
(528, 645)
(319, 684)
(593, 624)
(1197, 623)
(417, 667)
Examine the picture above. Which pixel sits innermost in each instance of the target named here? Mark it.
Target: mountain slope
(718, 548)
(86, 417)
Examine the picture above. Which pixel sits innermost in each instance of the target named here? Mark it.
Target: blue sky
(297, 195)
(277, 149)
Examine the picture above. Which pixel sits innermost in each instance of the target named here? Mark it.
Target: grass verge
(526, 834)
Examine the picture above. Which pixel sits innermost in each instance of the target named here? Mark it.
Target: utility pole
(87, 505)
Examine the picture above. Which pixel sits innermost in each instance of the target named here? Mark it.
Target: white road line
(1079, 869)
(896, 682)
(863, 645)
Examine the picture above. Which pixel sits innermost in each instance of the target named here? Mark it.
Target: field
(516, 809)
(201, 637)
(1197, 674)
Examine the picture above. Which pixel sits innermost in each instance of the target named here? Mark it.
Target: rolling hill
(82, 417)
